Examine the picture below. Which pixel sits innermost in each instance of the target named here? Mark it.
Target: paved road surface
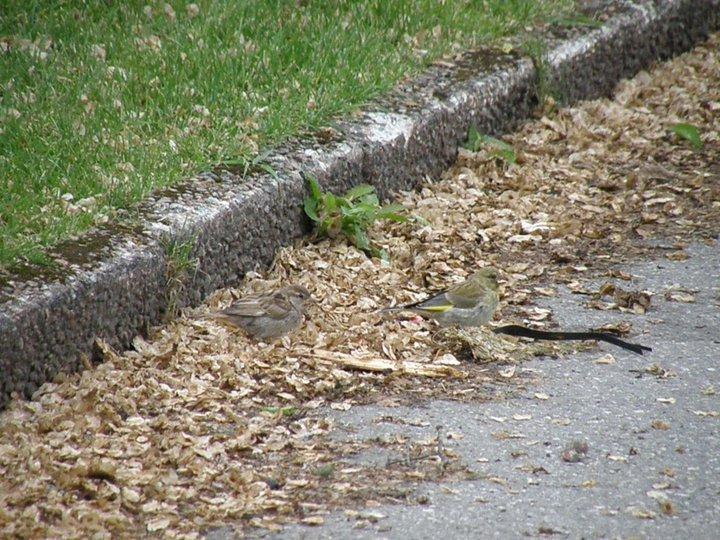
(607, 405)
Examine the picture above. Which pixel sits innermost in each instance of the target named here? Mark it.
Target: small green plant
(688, 132)
(547, 92)
(285, 411)
(350, 215)
(495, 147)
(325, 471)
(178, 265)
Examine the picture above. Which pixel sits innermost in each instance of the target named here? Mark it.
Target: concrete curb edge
(115, 282)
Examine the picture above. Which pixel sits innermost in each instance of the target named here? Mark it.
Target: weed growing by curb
(547, 92)
(350, 215)
(495, 147)
(179, 264)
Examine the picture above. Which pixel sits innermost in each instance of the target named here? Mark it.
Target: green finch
(267, 316)
(470, 303)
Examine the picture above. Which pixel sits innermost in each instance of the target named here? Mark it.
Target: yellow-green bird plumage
(470, 303)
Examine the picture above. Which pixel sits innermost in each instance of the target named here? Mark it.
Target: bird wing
(279, 307)
(275, 306)
(435, 304)
(463, 295)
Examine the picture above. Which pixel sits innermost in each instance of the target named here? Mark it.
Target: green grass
(101, 102)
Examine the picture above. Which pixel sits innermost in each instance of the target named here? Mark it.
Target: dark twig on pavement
(521, 331)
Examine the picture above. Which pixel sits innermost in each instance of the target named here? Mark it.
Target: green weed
(285, 411)
(495, 147)
(547, 92)
(325, 471)
(179, 264)
(350, 215)
(688, 132)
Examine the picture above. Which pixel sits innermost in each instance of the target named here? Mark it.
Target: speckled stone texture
(114, 280)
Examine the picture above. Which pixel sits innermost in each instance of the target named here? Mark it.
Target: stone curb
(114, 282)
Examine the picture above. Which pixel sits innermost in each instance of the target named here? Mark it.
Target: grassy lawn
(101, 102)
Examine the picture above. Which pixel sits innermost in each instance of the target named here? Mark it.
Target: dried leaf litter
(198, 427)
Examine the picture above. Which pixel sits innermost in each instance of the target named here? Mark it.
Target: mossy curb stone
(114, 283)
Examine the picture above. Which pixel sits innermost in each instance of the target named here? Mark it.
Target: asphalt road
(652, 468)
